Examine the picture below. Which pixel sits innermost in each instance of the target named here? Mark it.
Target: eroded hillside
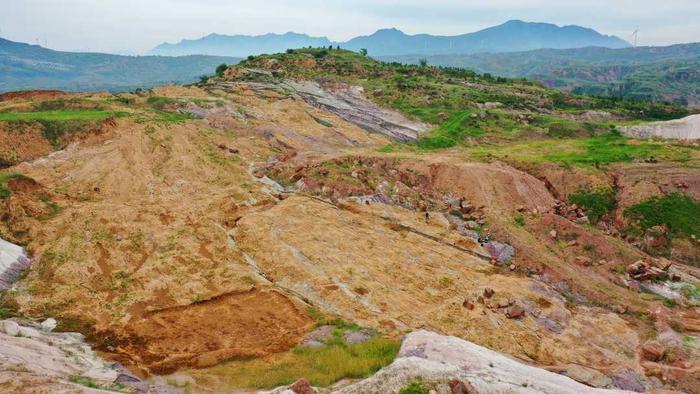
(207, 233)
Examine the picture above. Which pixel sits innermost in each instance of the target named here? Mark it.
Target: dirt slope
(173, 248)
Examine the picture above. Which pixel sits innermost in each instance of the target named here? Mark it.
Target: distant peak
(389, 31)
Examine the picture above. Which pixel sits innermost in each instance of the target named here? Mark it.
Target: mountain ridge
(26, 66)
(513, 35)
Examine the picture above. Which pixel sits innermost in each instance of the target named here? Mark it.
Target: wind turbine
(635, 35)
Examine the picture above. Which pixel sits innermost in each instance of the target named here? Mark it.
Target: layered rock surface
(687, 128)
(13, 261)
(435, 361)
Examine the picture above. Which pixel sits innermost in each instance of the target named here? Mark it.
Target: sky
(135, 26)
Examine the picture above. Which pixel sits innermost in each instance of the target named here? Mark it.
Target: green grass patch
(604, 149)
(596, 202)
(57, 123)
(611, 148)
(322, 367)
(4, 191)
(414, 388)
(450, 133)
(680, 212)
(57, 116)
(159, 102)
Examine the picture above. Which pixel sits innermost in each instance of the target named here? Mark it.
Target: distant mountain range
(669, 73)
(511, 36)
(24, 66)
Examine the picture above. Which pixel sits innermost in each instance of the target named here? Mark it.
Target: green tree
(363, 51)
(221, 70)
(423, 62)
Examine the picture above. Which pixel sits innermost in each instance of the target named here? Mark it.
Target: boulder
(302, 386)
(49, 325)
(653, 351)
(13, 261)
(501, 252)
(459, 387)
(642, 270)
(443, 361)
(9, 327)
(515, 311)
(354, 337)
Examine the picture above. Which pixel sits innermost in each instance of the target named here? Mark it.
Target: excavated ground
(174, 249)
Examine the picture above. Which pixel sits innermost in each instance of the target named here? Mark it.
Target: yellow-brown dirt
(170, 253)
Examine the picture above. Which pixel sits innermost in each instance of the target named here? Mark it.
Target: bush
(221, 69)
(681, 213)
(413, 388)
(596, 202)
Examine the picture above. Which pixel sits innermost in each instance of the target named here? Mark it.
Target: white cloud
(137, 25)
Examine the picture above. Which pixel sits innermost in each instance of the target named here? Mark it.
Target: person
(484, 239)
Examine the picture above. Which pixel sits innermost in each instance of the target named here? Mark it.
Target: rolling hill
(511, 36)
(669, 73)
(24, 66)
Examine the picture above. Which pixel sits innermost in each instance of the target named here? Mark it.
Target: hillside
(24, 66)
(511, 36)
(646, 73)
(313, 214)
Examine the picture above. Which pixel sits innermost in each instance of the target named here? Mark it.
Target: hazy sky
(138, 25)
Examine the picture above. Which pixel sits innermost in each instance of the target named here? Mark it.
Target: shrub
(596, 202)
(413, 388)
(221, 69)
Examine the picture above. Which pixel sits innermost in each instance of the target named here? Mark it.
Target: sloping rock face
(349, 103)
(30, 354)
(437, 360)
(687, 128)
(12, 262)
(345, 101)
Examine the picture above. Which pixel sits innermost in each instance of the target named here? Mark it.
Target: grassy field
(57, 116)
(605, 149)
(322, 367)
(679, 212)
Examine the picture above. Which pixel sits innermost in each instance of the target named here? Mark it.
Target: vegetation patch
(679, 212)
(91, 383)
(57, 116)
(4, 178)
(597, 203)
(450, 133)
(322, 367)
(592, 151)
(414, 388)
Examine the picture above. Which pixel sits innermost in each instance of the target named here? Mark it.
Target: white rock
(9, 327)
(687, 128)
(49, 324)
(436, 359)
(13, 261)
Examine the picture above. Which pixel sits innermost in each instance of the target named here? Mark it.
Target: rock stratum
(687, 128)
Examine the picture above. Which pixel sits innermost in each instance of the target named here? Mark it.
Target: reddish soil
(32, 95)
(234, 325)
